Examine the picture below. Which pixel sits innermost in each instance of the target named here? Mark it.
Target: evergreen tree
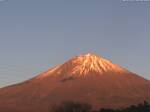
(73, 107)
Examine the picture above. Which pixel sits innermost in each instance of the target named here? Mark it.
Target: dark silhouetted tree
(83, 107)
(72, 107)
(145, 107)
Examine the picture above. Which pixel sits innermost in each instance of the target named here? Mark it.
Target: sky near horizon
(36, 35)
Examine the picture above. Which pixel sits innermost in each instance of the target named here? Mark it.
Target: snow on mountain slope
(83, 65)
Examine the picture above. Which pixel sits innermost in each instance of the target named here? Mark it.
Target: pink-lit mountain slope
(85, 78)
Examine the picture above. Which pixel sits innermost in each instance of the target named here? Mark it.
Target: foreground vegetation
(82, 107)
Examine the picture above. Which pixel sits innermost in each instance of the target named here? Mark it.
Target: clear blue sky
(36, 35)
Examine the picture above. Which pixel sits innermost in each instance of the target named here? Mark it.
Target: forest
(84, 107)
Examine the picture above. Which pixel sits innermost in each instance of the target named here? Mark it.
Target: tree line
(84, 107)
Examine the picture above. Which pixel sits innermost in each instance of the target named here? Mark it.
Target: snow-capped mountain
(84, 78)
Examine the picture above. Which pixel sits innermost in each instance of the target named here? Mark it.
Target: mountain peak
(83, 65)
(90, 55)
